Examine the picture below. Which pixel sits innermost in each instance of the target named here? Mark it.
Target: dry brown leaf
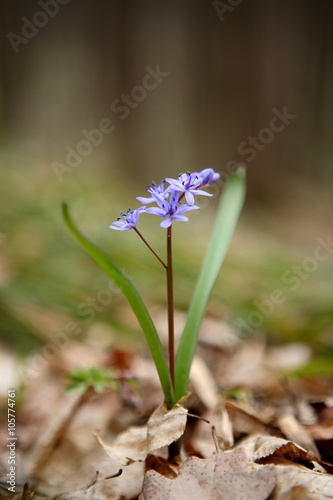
(217, 333)
(289, 356)
(226, 429)
(165, 426)
(162, 466)
(289, 452)
(128, 447)
(294, 431)
(48, 437)
(223, 476)
(313, 485)
(26, 494)
(263, 417)
(96, 489)
(203, 383)
(125, 486)
(246, 420)
(264, 448)
(246, 368)
(306, 414)
(202, 440)
(134, 444)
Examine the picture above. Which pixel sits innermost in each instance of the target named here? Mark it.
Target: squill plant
(171, 200)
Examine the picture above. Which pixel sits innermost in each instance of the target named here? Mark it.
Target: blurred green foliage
(96, 377)
(44, 270)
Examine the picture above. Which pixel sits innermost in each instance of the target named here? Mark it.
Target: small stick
(117, 474)
(218, 451)
(197, 416)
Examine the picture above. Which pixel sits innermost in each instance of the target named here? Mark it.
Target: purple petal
(166, 222)
(180, 218)
(186, 208)
(174, 198)
(120, 228)
(118, 224)
(145, 200)
(156, 211)
(208, 176)
(175, 183)
(159, 199)
(183, 178)
(135, 217)
(189, 198)
(200, 192)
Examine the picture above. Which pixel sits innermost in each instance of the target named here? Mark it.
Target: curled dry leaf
(247, 420)
(268, 449)
(223, 476)
(288, 452)
(134, 444)
(161, 465)
(294, 431)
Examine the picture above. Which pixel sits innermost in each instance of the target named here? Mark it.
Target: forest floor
(259, 418)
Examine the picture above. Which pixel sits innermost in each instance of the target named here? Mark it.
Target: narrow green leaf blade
(136, 303)
(226, 219)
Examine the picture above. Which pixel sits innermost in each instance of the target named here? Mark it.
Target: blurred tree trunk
(226, 76)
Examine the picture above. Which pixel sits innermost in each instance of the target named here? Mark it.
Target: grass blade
(136, 303)
(227, 216)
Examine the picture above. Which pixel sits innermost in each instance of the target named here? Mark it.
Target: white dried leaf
(135, 443)
(289, 356)
(294, 431)
(226, 428)
(203, 440)
(217, 333)
(130, 446)
(223, 476)
(125, 486)
(203, 383)
(165, 426)
(316, 485)
(262, 446)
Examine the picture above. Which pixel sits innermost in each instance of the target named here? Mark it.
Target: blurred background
(99, 98)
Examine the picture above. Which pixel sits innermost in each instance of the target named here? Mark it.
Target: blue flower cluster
(168, 199)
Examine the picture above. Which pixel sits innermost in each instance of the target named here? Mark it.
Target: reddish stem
(170, 308)
(150, 248)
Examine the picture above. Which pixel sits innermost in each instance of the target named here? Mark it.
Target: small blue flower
(170, 210)
(208, 176)
(130, 220)
(188, 184)
(158, 189)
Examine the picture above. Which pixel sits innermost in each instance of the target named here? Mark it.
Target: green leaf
(136, 303)
(99, 378)
(226, 219)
